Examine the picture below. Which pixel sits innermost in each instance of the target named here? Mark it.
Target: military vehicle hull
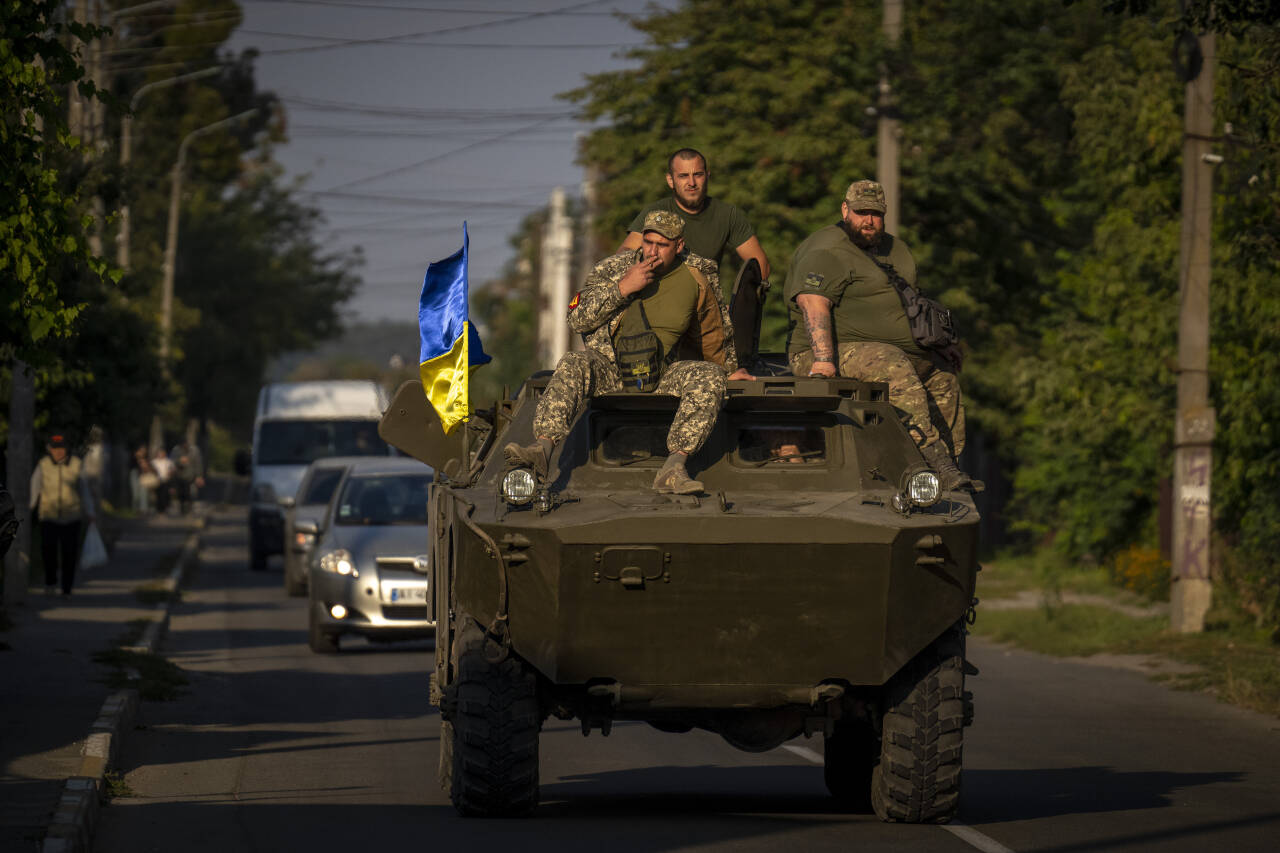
(799, 595)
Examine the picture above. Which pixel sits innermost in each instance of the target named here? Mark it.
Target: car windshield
(384, 499)
(321, 486)
(303, 442)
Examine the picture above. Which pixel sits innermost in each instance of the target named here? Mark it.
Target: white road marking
(967, 834)
(804, 752)
(973, 838)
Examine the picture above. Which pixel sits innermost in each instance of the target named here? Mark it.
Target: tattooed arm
(817, 321)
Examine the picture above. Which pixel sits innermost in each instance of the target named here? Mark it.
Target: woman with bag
(59, 492)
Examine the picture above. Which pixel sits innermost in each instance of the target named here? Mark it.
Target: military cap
(865, 195)
(665, 223)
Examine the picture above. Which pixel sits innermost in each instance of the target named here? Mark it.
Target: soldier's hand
(741, 373)
(823, 368)
(638, 276)
(953, 356)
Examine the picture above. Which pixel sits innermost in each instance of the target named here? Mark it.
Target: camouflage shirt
(596, 311)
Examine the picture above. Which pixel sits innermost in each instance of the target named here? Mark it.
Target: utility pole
(557, 252)
(888, 129)
(586, 236)
(171, 254)
(1194, 428)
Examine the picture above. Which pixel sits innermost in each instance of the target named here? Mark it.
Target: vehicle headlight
(518, 486)
(339, 562)
(924, 488)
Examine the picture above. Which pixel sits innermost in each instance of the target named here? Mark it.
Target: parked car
(309, 505)
(368, 572)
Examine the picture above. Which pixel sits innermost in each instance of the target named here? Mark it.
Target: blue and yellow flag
(450, 344)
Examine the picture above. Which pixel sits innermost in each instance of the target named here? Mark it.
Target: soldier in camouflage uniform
(690, 319)
(848, 320)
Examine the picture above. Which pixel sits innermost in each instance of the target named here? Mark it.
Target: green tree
(43, 244)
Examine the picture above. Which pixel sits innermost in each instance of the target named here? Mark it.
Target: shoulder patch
(813, 279)
(573, 303)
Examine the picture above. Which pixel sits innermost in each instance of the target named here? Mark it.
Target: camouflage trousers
(582, 375)
(927, 392)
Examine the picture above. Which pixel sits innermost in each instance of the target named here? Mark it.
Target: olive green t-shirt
(719, 225)
(864, 305)
(671, 305)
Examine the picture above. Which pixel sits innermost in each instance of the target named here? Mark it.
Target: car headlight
(518, 486)
(339, 562)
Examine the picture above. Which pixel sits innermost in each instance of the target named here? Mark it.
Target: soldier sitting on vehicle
(652, 323)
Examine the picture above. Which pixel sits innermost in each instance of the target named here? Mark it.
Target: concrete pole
(126, 154)
(557, 255)
(171, 254)
(19, 463)
(586, 237)
(888, 129)
(1194, 427)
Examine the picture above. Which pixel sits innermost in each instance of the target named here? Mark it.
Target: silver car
(308, 505)
(368, 573)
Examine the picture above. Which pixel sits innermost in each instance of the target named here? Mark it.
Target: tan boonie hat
(865, 195)
(665, 223)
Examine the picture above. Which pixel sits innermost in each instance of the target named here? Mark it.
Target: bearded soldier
(653, 323)
(848, 319)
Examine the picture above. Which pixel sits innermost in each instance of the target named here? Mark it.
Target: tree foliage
(42, 226)
(1041, 163)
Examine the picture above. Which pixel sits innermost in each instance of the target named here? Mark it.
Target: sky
(406, 117)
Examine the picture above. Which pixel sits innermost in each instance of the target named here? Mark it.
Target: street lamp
(126, 151)
(171, 251)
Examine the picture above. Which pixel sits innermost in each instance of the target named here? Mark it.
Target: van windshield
(303, 442)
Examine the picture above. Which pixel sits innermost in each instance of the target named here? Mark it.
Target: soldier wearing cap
(848, 320)
(651, 323)
(59, 491)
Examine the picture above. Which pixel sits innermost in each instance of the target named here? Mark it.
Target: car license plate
(404, 594)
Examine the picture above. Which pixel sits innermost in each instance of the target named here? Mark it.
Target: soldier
(652, 323)
(847, 319)
(711, 225)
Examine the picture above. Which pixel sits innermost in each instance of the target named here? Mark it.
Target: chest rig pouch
(638, 351)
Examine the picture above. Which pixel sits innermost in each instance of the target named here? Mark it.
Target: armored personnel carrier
(819, 587)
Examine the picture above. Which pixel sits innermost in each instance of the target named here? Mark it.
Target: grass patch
(1009, 574)
(156, 593)
(1234, 658)
(158, 679)
(1069, 630)
(114, 785)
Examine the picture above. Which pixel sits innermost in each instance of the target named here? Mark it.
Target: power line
(438, 157)
(460, 113)
(403, 36)
(334, 41)
(387, 7)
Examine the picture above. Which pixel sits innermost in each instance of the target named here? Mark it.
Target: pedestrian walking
(61, 496)
(163, 467)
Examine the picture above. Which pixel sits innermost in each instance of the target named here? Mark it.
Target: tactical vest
(60, 489)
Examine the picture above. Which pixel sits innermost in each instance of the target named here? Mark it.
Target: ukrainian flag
(450, 344)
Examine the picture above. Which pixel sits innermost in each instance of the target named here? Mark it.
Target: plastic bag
(94, 551)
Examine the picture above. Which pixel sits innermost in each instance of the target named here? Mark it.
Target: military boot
(674, 479)
(950, 476)
(536, 456)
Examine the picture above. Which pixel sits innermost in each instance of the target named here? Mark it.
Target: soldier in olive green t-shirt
(710, 225)
(847, 319)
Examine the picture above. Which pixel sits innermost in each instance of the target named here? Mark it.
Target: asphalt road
(274, 748)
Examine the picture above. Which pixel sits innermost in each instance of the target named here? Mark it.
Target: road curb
(76, 816)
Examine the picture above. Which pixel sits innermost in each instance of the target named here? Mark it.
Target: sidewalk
(52, 694)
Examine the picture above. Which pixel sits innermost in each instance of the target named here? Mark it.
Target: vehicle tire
(321, 641)
(495, 732)
(257, 555)
(293, 586)
(849, 760)
(445, 772)
(922, 735)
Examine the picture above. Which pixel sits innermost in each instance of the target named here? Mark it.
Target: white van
(297, 423)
